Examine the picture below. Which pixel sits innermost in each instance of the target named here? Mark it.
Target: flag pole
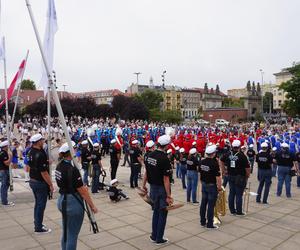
(18, 94)
(6, 113)
(49, 125)
(53, 89)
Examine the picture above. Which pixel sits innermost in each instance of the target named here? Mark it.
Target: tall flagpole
(6, 113)
(18, 94)
(49, 125)
(53, 89)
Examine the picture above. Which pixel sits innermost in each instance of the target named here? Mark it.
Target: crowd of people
(158, 154)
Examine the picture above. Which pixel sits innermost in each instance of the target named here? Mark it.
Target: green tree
(292, 88)
(150, 98)
(233, 103)
(169, 116)
(268, 102)
(28, 84)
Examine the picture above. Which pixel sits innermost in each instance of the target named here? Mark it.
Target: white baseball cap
(194, 143)
(113, 141)
(284, 145)
(4, 144)
(251, 146)
(169, 151)
(181, 150)
(211, 149)
(177, 148)
(274, 149)
(134, 142)
(193, 151)
(236, 143)
(150, 144)
(264, 145)
(112, 182)
(65, 147)
(85, 142)
(164, 140)
(95, 145)
(36, 138)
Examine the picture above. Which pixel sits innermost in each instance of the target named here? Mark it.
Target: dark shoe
(43, 231)
(241, 214)
(265, 202)
(213, 227)
(195, 203)
(203, 224)
(162, 242)
(151, 239)
(258, 201)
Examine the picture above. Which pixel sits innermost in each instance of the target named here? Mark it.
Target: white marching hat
(211, 149)
(236, 143)
(193, 151)
(274, 149)
(251, 146)
(134, 142)
(164, 140)
(36, 138)
(194, 143)
(169, 151)
(284, 145)
(65, 147)
(150, 144)
(113, 141)
(264, 145)
(85, 142)
(177, 148)
(181, 150)
(112, 182)
(95, 145)
(4, 144)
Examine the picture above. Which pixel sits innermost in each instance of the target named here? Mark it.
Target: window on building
(279, 103)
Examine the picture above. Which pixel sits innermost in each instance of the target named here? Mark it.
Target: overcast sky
(101, 43)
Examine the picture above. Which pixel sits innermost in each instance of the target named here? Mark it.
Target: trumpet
(220, 207)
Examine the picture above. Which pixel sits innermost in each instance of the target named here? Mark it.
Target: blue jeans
(40, 192)
(134, 174)
(85, 179)
(274, 170)
(178, 172)
(284, 176)
(192, 184)
(159, 219)
(251, 165)
(96, 176)
(235, 197)
(4, 185)
(265, 180)
(75, 214)
(183, 174)
(209, 198)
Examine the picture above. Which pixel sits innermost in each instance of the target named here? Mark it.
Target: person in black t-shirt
(251, 156)
(211, 180)
(286, 162)
(157, 175)
(171, 159)
(238, 172)
(97, 167)
(5, 160)
(264, 163)
(115, 194)
(115, 155)
(85, 161)
(70, 201)
(192, 176)
(135, 163)
(40, 181)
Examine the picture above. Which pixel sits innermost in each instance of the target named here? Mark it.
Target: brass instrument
(247, 193)
(220, 207)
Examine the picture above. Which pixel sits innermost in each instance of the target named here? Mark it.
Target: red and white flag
(16, 79)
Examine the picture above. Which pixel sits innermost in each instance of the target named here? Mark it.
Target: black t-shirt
(146, 156)
(251, 154)
(85, 153)
(236, 163)
(64, 174)
(192, 162)
(113, 193)
(285, 159)
(114, 153)
(157, 166)
(209, 170)
(38, 163)
(183, 158)
(96, 156)
(264, 160)
(135, 153)
(3, 157)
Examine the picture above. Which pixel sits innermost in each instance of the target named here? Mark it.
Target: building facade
(191, 102)
(172, 98)
(102, 96)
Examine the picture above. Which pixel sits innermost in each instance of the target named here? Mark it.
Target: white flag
(51, 28)
(2, 52)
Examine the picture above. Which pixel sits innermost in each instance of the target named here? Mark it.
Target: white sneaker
(43, 231)
(9, 204)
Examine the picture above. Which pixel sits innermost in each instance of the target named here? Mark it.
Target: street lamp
(163, 78)
(137, 77)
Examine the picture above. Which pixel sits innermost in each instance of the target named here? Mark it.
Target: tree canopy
(292, 88)
(28, 84)
(150, 98)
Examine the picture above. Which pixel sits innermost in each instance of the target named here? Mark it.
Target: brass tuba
(220, 207)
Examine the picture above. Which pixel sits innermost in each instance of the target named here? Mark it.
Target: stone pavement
(126, 225)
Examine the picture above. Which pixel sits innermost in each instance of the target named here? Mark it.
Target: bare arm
(47, 179)
(83, 191)
(219, 182)
(145, 179)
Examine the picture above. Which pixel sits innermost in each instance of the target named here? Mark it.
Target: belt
(209, 184)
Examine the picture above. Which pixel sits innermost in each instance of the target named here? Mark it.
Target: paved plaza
(126, 225)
